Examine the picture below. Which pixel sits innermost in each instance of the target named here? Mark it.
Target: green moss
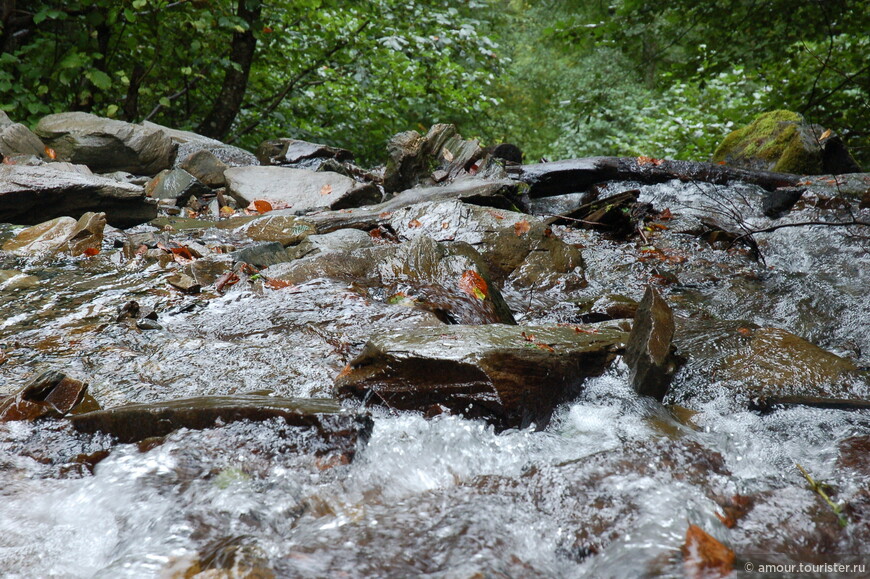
(773, 141)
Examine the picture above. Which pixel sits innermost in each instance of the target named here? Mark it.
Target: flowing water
(607, 489)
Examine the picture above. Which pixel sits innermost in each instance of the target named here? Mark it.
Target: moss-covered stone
(775, 141)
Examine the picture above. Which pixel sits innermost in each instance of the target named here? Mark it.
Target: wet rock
(441, 155)
(338, 428)
(284, 229)
(262, 254)
(64, 234)
(298, 189)
(510, 375)
(189, 142)
(30, 195)
(764, 367)
(50, 395)
(206, 167)
(184, 282)
(16, 139)
(855, 454)
(294, 152)
(650, 352)
(783, 141)
(450, 280)
(510, 242)
(501, 193)
(177, 185)
(615, 214)
(106, 145)
(776, 203)
(12, 279)
(340, 240)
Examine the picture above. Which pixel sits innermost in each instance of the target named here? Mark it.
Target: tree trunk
(225, 109)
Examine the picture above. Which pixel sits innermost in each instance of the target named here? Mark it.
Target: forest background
(558, 78)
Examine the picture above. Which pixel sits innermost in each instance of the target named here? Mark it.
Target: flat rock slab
(512, 376)
(340, 429)
(298, 189)
(31, 195)
(107, 145)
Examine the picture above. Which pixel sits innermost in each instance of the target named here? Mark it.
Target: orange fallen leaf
(229, 278)
(345, 371)
(326, 189)
(825, 135)
(522, 227)
(91, 251)
(665, 215)
(644, 160)
(494, 214)
(277, 284)
(260, 206)
(182, 252)
(226, 210)
(474, 285)
(414, 223)
(658, 226)
(744, 331)
(384, 214)
(704, 556)
(51, 153)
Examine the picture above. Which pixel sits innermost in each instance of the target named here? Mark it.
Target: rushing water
(605, 490)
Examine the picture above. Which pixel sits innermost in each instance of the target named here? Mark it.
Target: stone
(293, 151)
(16, 139)
(284, 229)
(206, 271)
(51, 394)
(262, 254)
(339, 429)
(650, 351)
(509, 241)
(184, 282)
(298, 189)
(415, 159)
(189, 143)
(499, 193)
(177, 185)
(206, 167)
(512, 376)
(775, 203)
(340, 240)
(106, 145)
(784, 142)
(449, 280)
(12, 279)
(31, 195)
(63, 234)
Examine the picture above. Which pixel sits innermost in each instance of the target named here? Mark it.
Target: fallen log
(576, 175)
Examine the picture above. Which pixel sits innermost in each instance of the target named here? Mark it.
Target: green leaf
(100, 79)
(165, 102)
(139, 4)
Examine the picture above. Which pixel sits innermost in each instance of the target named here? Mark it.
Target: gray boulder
(16, 139)
(298, 189)
(206, 167)
(31, 195)
(176, 184)
(189, 143)
(106, 145)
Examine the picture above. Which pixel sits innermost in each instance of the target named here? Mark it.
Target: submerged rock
(450, 280)
(338, 428)
(31, 195)
(511, 375)
(107, 145)
(298, 189)
(64, 234)
(783, 141)
(650, 351)
(50, 395)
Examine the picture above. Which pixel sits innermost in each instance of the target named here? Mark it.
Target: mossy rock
(779, 141)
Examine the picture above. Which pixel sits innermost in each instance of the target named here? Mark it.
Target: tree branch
(288, 88)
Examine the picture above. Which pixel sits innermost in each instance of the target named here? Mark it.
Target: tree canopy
(558, 77)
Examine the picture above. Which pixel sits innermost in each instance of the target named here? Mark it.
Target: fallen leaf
(665, 215)
(260, 206)
(658, 226)
(384, 214)
(91, 251)
(326, 189)
(744, 331)
(226, 210)
(643, 160)
(522, 227)
(229, 278)
(474, 285)
(414, 224)
(183, 253)
(445, 225)
(51, 153)
(704, 556)
(824, 136)
(494, 214)
(277, 284)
